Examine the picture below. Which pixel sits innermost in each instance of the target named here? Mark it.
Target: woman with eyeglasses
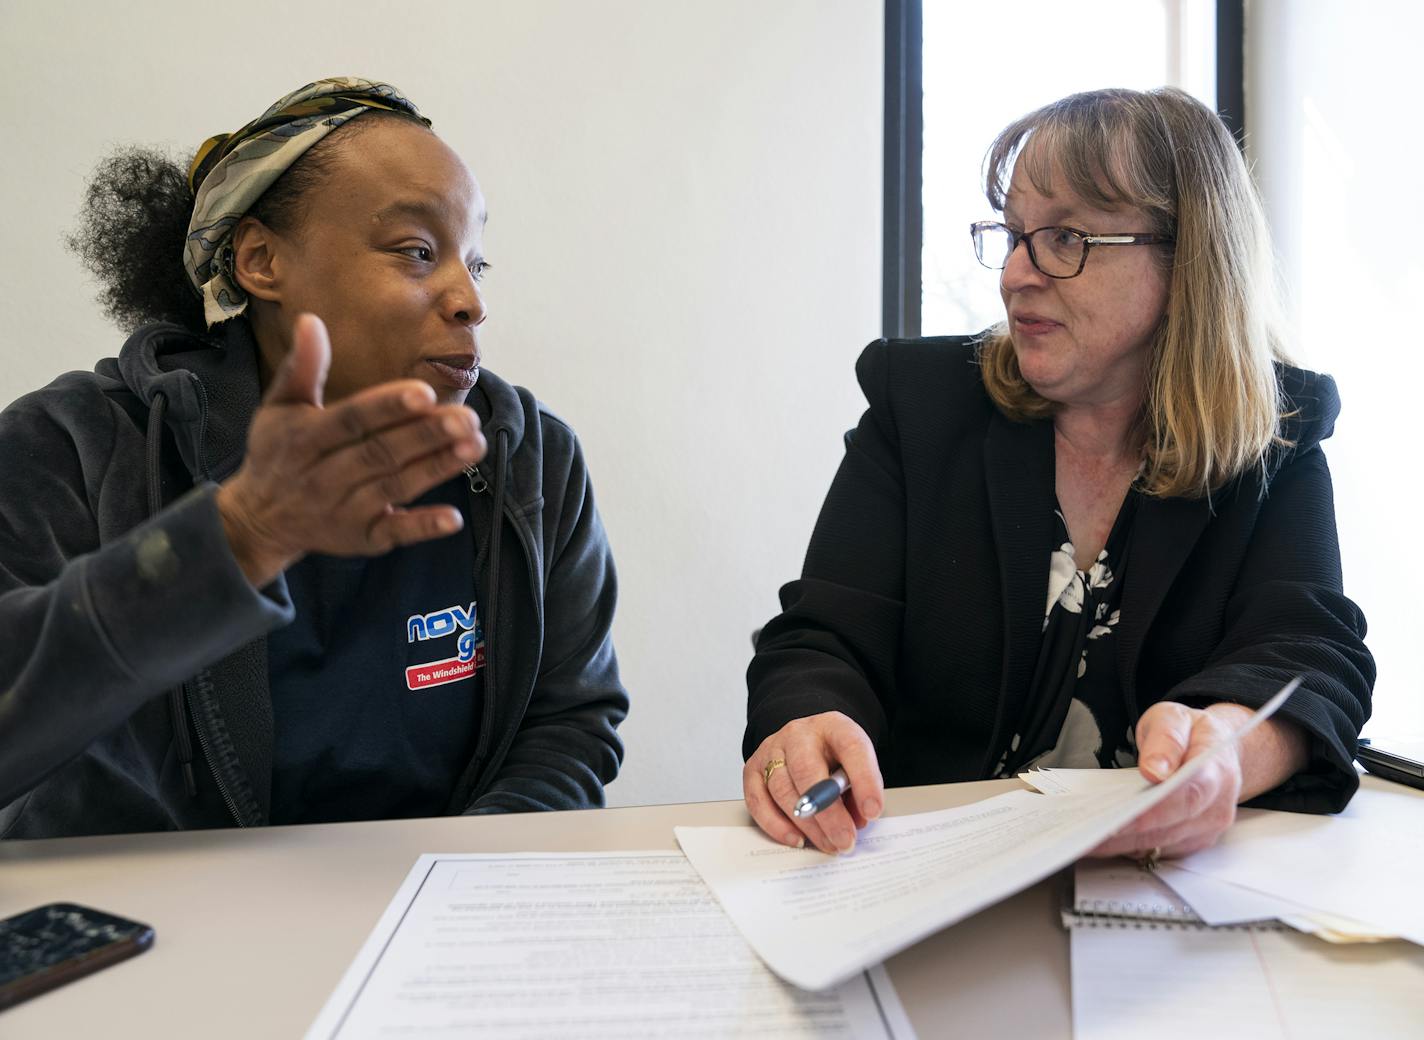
(1130, 440)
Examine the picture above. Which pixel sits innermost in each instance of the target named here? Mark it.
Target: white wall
(685, 226)
(1332, 113)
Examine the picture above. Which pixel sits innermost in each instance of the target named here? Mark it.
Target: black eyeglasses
(1059, 252)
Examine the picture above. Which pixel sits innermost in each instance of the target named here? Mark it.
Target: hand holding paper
(817, 920)
(1170, 735)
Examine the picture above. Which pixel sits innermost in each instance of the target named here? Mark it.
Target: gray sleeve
(92, 631)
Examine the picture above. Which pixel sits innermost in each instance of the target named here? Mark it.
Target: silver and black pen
(822, 795)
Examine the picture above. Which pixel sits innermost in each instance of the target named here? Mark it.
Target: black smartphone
(51, 945)
(1400, 761)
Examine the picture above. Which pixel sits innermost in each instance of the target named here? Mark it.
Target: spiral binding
(1171, 918)
(1117, 908)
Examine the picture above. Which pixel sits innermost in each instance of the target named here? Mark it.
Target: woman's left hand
(1170, 735)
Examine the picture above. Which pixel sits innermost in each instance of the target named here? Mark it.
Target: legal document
(1361, 865)
(1179, 982)
(597, 945)
(1218, 901)
(818, 920)
(1085, 781)
(1222, 903)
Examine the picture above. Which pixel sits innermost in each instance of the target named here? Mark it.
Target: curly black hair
(134, 221)
(130, 237)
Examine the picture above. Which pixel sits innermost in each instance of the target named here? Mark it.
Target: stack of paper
(1141, 969)
(817, 920)
(1345, 878)
(1183, 982)
(592, 945)
(1120, 888)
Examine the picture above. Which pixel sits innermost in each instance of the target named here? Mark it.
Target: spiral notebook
(1108, 891)
(1144, 964)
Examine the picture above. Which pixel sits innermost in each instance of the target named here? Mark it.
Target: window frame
(903, 236)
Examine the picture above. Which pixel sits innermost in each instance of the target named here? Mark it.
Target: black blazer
(920, 608)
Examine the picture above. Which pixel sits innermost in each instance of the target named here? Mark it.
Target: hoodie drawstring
(492, 607)
(177, 697)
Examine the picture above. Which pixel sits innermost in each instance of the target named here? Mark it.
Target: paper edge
(1131, 808)
(328, 1020)
(887, 995)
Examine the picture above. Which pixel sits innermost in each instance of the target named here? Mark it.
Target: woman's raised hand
(334, 480)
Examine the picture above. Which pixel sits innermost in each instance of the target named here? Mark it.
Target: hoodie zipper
(487, 751)
(502, 514)
(507, 739)
(202, 426)
(205, 688)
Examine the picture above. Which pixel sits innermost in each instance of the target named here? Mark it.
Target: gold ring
(771, 767)
(1151, 858)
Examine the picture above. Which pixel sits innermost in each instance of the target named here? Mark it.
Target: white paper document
(1215, 883)
(1346, 866)
(817, 920)
(1218, 903)
(1124, 888)
(1085, 781)
(597, 945)
(1183, 983)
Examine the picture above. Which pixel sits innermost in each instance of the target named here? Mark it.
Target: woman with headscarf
(293, 556)
(1132, 438)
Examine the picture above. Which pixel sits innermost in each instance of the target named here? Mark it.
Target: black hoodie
(117, 586)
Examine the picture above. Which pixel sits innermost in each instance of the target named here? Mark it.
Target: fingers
(333, 480)
(385, 493)
(1163, 734)
(856, 755)
(301, 378)
(1139, 849)
(407, 526)
(831, 830)
(774, 823)
(811, 748)
(811, 755)
(1207, 804)
(1196, 815)
(368, 413)
(406, 460)
(302, 375)
(1184, 838)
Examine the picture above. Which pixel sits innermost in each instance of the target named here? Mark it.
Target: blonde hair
(1212, 404)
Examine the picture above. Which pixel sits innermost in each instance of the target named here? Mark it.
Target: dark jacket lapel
(1018, 469)
(1164, 534)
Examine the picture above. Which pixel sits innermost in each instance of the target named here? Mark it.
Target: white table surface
(255, 927)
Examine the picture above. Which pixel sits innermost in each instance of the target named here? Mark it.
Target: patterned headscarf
(231, 171)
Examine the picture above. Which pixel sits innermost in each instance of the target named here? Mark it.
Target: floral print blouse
(1077, 717)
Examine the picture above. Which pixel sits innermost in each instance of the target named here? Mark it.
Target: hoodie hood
(212, 385)
(497, 404)
(1311, 404)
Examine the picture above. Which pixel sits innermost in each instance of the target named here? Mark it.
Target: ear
(256, 259)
